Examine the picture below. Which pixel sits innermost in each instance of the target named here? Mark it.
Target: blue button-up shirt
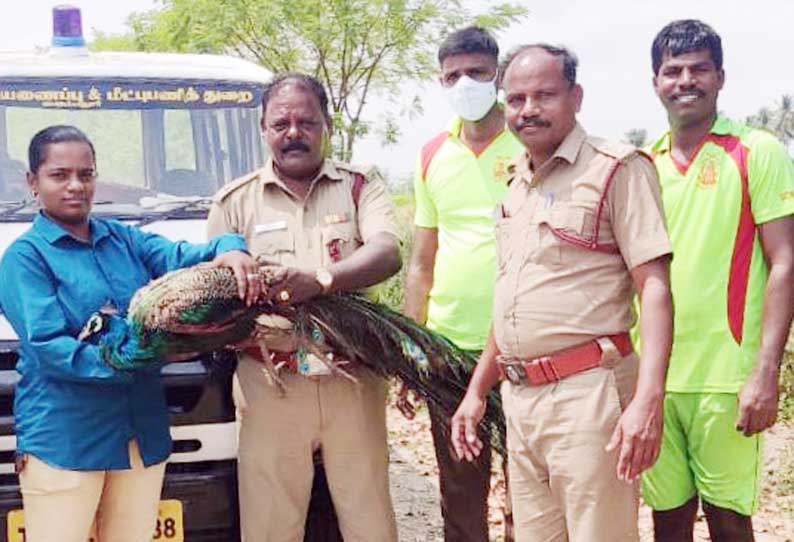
(73, 410)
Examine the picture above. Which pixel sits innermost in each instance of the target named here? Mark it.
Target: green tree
(357, 48)
(112, 42)
(636, 136)
(778, 119)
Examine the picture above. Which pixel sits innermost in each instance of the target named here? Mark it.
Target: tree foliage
(357, 48)
(778, 119)
(636, 136)
(112, 42)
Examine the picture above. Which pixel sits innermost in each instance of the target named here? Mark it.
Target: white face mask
(471, 99)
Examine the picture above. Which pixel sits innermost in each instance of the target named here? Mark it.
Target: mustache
(533, 122)
(295, 146)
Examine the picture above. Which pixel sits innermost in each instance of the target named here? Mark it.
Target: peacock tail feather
(394, 345)
(197, 310)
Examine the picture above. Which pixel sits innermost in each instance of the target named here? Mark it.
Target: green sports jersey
(739, 178)
(456, 192)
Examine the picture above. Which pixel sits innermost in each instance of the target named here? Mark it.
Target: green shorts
(703, 453)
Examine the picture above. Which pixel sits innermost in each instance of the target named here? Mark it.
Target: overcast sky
(612, 39)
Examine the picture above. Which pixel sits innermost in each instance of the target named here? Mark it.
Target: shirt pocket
(339, 241)
(273, 246)
(559, 231)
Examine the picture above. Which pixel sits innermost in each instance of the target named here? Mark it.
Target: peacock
(197, 309)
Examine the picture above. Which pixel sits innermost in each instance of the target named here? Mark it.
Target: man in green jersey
(460, 177)
(728, 194)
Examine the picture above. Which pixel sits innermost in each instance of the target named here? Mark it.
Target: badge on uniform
(336, 218)
(278, 225)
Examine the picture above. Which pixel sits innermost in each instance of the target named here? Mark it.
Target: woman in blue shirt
(92, 440)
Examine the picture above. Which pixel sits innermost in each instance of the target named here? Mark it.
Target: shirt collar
(568, 150)
(721, 126)
(53, 232)
(327, 171)
(454, 126)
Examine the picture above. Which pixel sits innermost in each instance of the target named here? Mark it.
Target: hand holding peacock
(198, 309)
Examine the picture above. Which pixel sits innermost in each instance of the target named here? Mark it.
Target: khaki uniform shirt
(550, 293)
(315, 232)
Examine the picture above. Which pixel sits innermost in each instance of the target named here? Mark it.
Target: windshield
(143, 152)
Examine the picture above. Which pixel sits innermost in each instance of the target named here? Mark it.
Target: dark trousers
(464, 487)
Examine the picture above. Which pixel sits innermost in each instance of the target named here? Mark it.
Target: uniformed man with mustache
(580, 231)
(333, 230)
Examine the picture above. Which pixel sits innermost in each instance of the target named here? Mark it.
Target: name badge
(271, 226)
(338, 218)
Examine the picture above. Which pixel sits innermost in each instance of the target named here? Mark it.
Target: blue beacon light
(67, 27)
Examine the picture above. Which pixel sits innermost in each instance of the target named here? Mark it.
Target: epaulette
(361, 170)
(619, 151)
(227, 190)
(361, 174)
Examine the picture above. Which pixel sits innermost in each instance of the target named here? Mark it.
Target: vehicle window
(116, 136)
(180, 150)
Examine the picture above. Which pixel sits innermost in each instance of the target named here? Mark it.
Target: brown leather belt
(601, 352)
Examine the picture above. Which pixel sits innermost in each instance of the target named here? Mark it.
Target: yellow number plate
(170, 526)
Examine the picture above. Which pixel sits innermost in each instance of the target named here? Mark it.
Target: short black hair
(567, 59)
(59, 133)
(684, 36)
(471, 39)
(310, 83)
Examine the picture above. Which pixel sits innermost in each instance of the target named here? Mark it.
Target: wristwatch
(324, 278)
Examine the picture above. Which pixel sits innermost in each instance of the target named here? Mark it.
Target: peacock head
(98, 324)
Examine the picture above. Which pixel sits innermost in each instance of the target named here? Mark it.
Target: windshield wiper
(12, 207)
(165, 207)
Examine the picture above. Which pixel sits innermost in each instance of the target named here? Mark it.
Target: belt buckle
(610, 355)
(515, 373)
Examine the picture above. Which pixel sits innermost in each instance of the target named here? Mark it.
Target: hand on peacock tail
(197, 310)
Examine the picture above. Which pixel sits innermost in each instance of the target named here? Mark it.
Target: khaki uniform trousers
(62, 504)
(277, 437)
(563, 483)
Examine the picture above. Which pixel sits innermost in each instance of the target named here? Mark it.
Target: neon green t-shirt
(456, 192)
(739, 178)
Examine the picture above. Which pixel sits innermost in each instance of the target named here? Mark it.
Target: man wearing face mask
(334, 231)
(460, 178)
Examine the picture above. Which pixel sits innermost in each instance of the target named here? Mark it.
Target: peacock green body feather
(197, 309)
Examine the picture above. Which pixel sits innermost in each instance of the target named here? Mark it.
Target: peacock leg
(335, 368)
(271, 371)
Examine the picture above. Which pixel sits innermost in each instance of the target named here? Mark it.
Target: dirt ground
(415, 486)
